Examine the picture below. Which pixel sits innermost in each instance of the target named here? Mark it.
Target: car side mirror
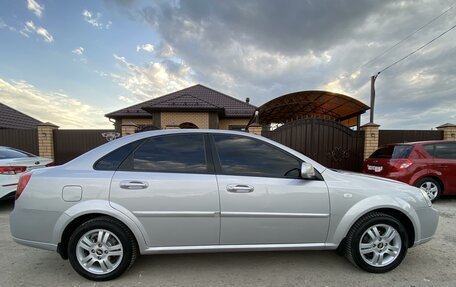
(307, 170)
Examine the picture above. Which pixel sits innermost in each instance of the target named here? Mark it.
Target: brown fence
(26, 140)
(403, 136)
(69, 144)
(327, 142)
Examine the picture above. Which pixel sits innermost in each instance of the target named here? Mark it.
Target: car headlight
(426, 197)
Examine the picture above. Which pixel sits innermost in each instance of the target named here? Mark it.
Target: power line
(408, 36)
(404, 39)
(413, 52)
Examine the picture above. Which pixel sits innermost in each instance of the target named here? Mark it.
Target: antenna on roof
(247, 100)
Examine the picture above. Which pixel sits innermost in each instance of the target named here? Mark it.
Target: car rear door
(263, 199)
(169, 185)
(445, 162)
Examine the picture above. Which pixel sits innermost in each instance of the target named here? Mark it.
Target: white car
(13, 163)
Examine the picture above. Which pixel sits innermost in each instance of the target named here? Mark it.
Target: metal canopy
(318, 104)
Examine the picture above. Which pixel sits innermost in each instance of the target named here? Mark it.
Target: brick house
(193, 107)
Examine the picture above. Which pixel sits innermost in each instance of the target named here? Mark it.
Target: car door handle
(133, 184)
(239, 188)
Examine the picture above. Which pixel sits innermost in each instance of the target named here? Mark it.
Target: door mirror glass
(307, 170)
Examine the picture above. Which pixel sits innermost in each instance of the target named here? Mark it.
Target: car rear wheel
(431, 187)
(377, 243)
(102, 249)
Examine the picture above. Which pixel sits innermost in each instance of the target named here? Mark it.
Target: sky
(71, 62)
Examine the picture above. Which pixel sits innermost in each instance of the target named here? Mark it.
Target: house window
(237, 128)
(188, 125)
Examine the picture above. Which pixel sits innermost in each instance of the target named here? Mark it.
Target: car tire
(102, 249)
(376, 243)
(431, 186)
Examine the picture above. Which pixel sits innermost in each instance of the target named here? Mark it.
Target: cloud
(263, 49)
(126, 99)
(152, 79)
(165, 50)
(146, 47)
(35, 7)
(61, 109)
(30, 28)
(3, 25)
(95, 20)
(78, 51)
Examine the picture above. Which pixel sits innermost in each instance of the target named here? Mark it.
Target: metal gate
(328, 142)
(69, 144)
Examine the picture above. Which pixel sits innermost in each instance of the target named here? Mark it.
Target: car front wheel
(101, 249)
(377, 243)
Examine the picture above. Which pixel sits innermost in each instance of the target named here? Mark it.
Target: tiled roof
(194, 98)
(13, 119)
(447, 125)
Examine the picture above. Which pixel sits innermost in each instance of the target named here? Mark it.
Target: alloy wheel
(380, 245)
(430, 188)
(99, 251)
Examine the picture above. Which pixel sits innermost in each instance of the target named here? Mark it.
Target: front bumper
(429, 220)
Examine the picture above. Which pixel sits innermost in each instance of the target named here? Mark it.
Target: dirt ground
(431, 264)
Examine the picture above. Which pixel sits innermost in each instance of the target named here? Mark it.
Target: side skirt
(238, 248)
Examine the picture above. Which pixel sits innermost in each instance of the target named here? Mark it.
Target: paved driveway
(432, 264)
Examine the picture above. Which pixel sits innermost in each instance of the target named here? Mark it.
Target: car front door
(169, 185)
(263, 199)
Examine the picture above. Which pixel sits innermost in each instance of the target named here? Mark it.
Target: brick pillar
(128, 129)
(46, 140)
(371, 132)
(449, 131)
(255, 129)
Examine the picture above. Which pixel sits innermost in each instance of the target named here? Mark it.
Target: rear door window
(393, 152)
(182, 153)
(445, 150)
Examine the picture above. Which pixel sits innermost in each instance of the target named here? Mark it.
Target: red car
(429, 165)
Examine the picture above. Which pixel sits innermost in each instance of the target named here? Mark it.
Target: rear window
(13, 153)
(393, 152)
(112, 160)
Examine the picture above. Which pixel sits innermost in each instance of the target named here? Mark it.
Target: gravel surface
(431, 264)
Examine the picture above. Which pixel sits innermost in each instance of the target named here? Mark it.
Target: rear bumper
(7, 190)
(9, 196)
(36, 244)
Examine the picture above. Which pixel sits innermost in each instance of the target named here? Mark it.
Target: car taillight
(11, 170)
(50, 164)
(23, 180)
(401, 164)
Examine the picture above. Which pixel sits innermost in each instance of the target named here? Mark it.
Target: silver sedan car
(175, 191)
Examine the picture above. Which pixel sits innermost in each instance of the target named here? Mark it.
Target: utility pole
(372, 104)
